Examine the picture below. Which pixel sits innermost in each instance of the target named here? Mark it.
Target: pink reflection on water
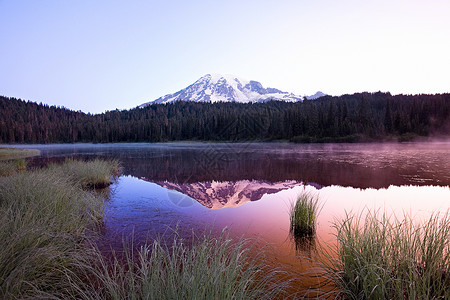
(148, 209)
(268, 218)
(420, 202)
(139, 206)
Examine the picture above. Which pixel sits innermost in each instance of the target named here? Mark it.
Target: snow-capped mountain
(221, 194)
(228, 88)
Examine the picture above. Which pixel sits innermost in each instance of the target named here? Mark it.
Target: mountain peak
(214, 77)
(226, 88)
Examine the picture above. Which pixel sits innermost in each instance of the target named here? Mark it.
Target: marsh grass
(303, 216)
(95, 173)
(385, 258)
(7, 153)
(206, 268)
(44, 219)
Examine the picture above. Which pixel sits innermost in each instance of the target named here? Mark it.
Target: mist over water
(376, 165)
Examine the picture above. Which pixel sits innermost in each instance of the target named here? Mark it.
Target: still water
(249, 187)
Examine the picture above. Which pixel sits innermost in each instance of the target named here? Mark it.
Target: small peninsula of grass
(95, 173)
(7, 153)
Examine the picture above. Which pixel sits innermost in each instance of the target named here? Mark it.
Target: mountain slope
(228, 88)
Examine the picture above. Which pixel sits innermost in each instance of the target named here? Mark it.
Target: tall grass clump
(95, 173)
(43, 221)
(385, 258)
(303, 215)
(207, 268)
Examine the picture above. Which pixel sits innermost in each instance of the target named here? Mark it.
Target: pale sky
(95, 55)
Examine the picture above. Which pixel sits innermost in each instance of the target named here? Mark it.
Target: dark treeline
(363, 116)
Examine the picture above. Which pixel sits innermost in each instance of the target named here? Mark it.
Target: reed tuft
(303, 215)
(385, 258)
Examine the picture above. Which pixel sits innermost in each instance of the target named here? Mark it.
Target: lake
(249, 187)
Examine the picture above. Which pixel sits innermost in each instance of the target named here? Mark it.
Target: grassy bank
(383, 258)
(44, 218)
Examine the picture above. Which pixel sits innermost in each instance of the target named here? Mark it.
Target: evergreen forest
(347, 118)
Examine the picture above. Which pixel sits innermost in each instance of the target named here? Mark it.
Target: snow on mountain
(316, 95)
(221, 194)
(228, 88)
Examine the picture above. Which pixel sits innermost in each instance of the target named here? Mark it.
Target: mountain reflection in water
(221, 194)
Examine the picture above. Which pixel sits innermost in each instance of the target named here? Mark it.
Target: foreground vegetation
(347, 118)
(205, 268)
(383, 258)
(44, 221)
